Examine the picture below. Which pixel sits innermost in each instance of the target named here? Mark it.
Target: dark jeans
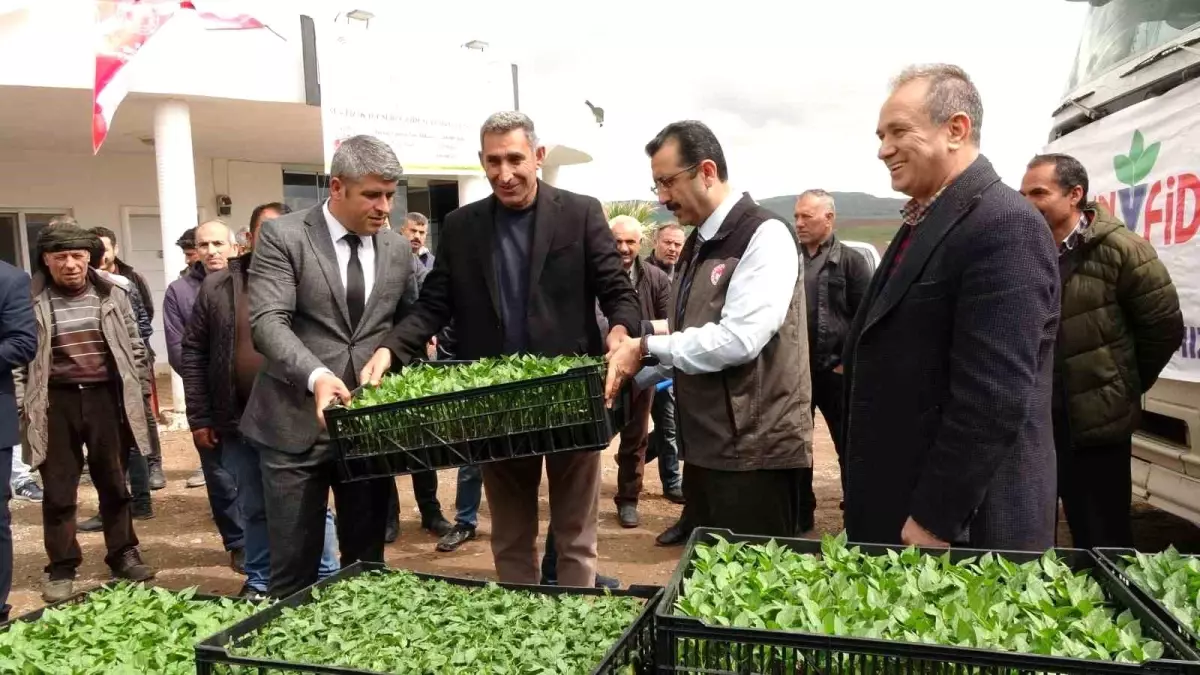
(77, 416)
(138, 471)
(296, 487)
(242, 462)
(1095, 484)
(631, 454)
(6, 548)
(155, 456)
(222, 491)
(827, 396)
(425, 490)
(664, 444)
(763, 502)
(468, 496)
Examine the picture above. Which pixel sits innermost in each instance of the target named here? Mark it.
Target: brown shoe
(130, 566)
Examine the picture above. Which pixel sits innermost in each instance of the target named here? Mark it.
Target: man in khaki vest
(738, 347)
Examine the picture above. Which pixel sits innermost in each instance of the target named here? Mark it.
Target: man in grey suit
(325, 287)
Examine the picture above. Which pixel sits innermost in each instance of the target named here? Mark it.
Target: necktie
(356, 285)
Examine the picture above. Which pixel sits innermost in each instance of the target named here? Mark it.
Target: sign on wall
(1144, 166)
(428, 106)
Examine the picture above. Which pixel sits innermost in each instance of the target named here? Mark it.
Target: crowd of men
(992, 365)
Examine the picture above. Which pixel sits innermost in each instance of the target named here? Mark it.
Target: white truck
(1132, 116)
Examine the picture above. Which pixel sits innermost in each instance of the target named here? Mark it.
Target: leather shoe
(457, 536)
(57, 590)
(93, 524)
(158, 481)
(611, 583)
(437, 526)
(250, 593)
(675, 496)
(675, 535)
(130, 566)
(142, 511)
(627, 515)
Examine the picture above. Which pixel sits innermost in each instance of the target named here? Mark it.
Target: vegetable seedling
(125, 629)
(392, 621)
(1037, 607)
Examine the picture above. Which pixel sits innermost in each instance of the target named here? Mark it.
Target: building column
(472, 189)
(550, 175)
(176, 168)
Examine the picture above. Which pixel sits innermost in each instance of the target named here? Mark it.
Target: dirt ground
(182, 543)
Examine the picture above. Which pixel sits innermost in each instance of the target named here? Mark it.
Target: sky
(792, 89)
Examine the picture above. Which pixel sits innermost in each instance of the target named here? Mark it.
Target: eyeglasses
(666, 183)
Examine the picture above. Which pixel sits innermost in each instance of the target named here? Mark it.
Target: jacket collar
(954, 202)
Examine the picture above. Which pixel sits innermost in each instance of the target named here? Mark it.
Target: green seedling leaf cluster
(471, 417)
(1171, 578)
(1039, 607)
(395, 622)
(126, 629)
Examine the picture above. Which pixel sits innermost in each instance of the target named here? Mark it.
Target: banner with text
(427, 106)
(1144, 166)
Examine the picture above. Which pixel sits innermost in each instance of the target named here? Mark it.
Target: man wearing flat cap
(88, 371)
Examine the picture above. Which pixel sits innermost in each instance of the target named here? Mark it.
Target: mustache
(672, 206)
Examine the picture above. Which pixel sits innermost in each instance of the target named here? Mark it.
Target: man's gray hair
(506, 121)
(671, 225)
(823, 195)
(416, 217)
(626, 220)
(360, 156)
(951, 91)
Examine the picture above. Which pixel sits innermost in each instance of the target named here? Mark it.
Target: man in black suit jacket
(18, 345)
(521, 271)
(949, 360)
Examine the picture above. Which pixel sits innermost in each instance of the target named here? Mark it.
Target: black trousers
(827, 396)
(296, 488)
(425, 487)
(763, 502)
(1095, 484)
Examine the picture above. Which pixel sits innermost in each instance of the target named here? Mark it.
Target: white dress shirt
(366, 258)
(366, 253)
(756, 302)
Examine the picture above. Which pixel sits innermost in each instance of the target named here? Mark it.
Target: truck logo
(1165, 211)
(1138, 164)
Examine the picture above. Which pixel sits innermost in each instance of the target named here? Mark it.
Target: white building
(209, 114)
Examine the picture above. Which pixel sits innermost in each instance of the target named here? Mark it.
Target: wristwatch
(644, 348)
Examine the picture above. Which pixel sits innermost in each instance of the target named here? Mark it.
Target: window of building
(19, 230)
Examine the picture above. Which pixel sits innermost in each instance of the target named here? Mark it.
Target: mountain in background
(850, 206)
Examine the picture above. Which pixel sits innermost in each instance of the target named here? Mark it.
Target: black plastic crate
(737, 650)
(560, 413)
(631, 654)
(1113, 560)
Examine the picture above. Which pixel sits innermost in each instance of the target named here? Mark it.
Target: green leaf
(1137, 146)
(1125, 170)
(1145, 163)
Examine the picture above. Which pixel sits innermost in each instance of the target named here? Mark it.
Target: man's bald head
(627, 230)
(214, 244)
